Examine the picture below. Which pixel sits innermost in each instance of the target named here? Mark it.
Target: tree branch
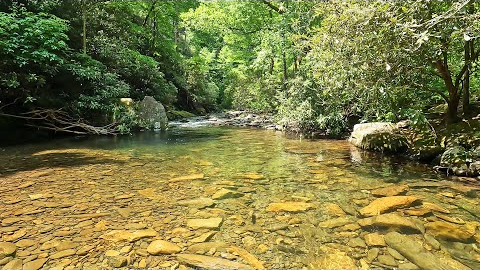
(149, 12)
(272, 6)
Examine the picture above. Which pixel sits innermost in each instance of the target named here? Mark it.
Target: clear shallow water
(133, 182)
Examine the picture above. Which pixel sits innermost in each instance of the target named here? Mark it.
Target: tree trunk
(469, 53)
(84, 21)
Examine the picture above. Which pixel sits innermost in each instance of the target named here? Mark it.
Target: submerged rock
(162, 247)
(393, 190)
(226, 194)
(290, 207)
(385, 204)
(391, 220)
(7, 249)
(413, 251)
(209, 223)
(197, 203)
(331, 258)
(449, 231)
(207, 262)
(191, 177)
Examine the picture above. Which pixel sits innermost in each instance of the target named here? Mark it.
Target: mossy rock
(454, 157)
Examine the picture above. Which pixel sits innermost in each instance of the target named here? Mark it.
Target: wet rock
(387, 260)
(35, 264)
(14, 264)
(66, 245)
(191, 177)
(207, 262)
(290, 207)
(336, 222)
(374, 239)
(391, 220)
(199, 203)
(7, 249)
(413, 251)
(449, 231)
(118, 261)
(385, 204)
(450, 219)
(209, 223)
(393, 190)
(162, 247)
(226, 194)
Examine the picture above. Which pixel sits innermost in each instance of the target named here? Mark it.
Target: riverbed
(223, 197)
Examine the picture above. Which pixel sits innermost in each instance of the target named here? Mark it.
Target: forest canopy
(317, 65)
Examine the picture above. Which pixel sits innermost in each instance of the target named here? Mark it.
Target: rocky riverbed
(219, 198)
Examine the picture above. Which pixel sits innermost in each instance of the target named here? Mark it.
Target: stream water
(239, 197)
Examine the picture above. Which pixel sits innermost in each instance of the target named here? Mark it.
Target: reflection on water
(272, 193)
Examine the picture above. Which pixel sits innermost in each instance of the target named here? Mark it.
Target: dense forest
(317, 65)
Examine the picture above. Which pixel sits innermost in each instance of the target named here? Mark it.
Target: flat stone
(395, 254)
(393, 190)
(64, 245)
(7, 249)
(333, 209)
(111, 253)
(209, 223)
(197, 203)
(15, 236)
(356, 242)
(205, 247)
(84, 250)
(387, 260)
(24, 243)
(203, 238)
(455, 220)
(226, 194)
(191, 177)
(63, 254)
(247, 257)
(408, 266)
(334, 223)
(375, 239)
(123, 235)
(385, 204)
(448, 231)
(15, 264)
(207, 262)
(290, 207)
(390, 220)
(9, 221)
(413, 251)
(432, 241)
(162, 247)
(434, 207)
(35, 264)
(372, 254)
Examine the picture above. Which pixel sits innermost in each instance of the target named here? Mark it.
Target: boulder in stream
(152, 114)
(378, 136)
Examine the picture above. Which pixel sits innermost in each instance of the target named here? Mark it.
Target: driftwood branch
(60, 121)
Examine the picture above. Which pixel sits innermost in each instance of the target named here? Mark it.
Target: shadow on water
(53, 160)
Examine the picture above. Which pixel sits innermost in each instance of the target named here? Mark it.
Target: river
(223, 197)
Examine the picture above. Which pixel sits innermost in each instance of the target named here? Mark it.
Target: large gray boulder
(152, 114)
(378, 136)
